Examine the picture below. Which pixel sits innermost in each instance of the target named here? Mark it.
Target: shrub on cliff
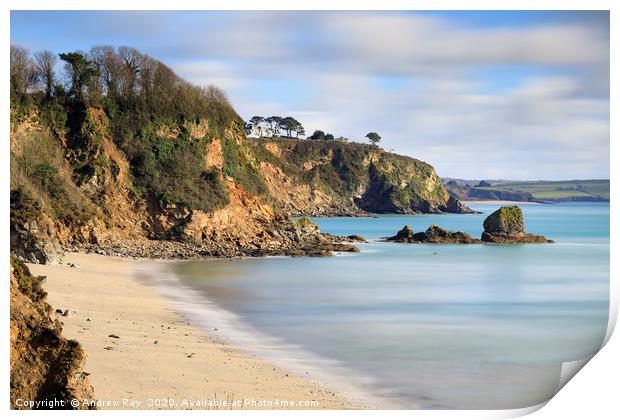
(173, 172)
(239, 167)
(38, 172)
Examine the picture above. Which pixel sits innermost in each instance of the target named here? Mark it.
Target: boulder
(403, 235)
(32, 244)
(507, 220)
(505, 225)
(437, 234)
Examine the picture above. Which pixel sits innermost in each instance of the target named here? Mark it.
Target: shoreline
(500, 202)
(144, 352)
(202, 312)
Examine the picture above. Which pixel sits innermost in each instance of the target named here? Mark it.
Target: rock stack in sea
(434, 235)
(505, 225)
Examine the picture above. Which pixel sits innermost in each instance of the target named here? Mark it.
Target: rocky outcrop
(337, 178)
(454, 205)
(30, 239)
(505, 225)
(89, 194)
(403, 235)
(45, 367)
(433, 235)
(438, 235)
(30, 244)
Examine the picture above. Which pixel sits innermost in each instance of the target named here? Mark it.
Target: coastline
(143, 354)
(500, 202)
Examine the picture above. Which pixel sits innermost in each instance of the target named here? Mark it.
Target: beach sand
(158, 360)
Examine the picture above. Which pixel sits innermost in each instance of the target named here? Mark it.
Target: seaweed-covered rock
(505, 225)
(506, 220)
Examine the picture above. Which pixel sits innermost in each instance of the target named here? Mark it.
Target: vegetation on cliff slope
(356, 177)
(125, 145)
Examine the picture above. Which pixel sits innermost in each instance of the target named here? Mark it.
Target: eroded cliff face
(46, 368)
(335, 178)
(88, 195)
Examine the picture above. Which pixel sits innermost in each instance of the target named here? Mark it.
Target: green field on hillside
(594, 188)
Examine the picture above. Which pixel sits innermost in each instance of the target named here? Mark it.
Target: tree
(374, 138)
(132, 60)
(80, 71)
(256, 120)
(329, 137)
(298, 128)
(301, 131)
(289, 124)
(110, 68)
(274, 123)
(317, 135)
(23, 74)
(45, 62)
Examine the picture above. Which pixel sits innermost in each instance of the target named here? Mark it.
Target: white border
(592, 394)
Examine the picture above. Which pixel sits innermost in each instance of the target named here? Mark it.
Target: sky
(479, 95)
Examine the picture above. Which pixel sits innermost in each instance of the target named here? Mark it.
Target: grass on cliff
(239, 164)
(344, 170)
(31, 286)
(39, 171)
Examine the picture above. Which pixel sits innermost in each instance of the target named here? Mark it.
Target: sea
(420, 325)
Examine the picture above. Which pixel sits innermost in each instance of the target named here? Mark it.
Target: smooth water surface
(434, 326)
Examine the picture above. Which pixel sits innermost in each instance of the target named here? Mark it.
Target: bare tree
(132, 60)
(22, 71)
(110, 68)
(45, 62)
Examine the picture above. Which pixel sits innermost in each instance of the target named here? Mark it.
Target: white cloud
(551, 120)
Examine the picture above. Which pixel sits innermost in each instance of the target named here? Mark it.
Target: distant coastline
(499, 202)
(507, 191)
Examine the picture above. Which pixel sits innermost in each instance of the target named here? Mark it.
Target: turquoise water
(434, 326)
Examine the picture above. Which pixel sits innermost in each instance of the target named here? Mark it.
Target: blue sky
(496, 94)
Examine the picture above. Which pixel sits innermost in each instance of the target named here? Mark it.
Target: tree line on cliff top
(137, 94)
(286, 126)
(118, 80)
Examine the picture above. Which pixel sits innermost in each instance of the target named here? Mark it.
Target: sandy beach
(142, 354)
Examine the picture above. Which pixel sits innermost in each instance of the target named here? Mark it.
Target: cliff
(468, 193)
(45, 367)
(336, 178)
(179, 189)
(146, 164)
